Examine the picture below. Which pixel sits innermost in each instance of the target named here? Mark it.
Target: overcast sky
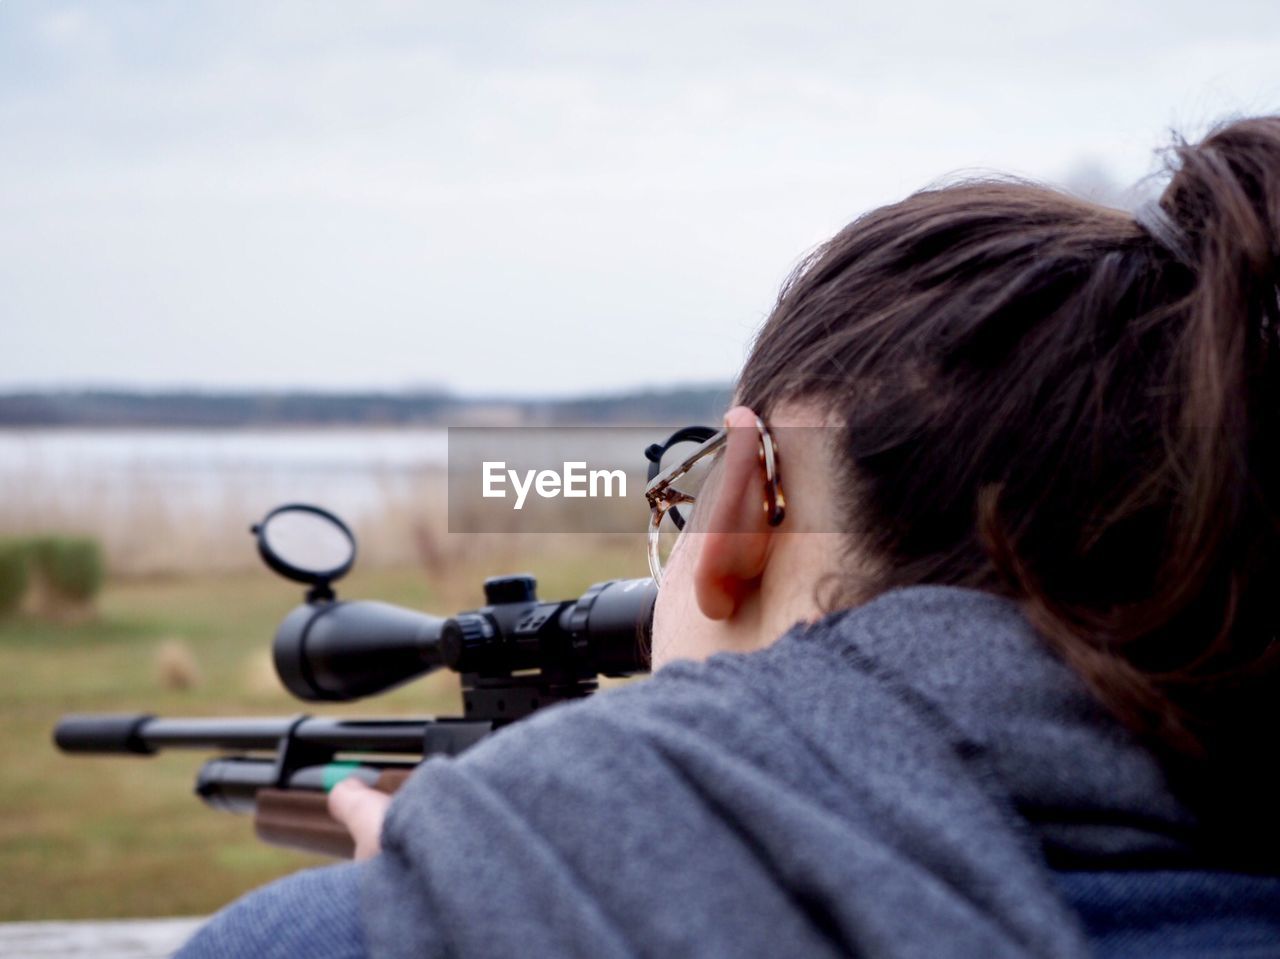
(541, 197)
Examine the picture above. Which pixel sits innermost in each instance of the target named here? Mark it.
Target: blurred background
(263, 251)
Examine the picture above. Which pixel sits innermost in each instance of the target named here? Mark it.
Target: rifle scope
(328, 650)
(338, 651)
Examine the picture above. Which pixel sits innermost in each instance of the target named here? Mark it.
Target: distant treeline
(120, 408)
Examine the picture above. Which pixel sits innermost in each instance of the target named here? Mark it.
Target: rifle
(514, 655)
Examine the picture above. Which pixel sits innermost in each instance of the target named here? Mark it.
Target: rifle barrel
(143, 734)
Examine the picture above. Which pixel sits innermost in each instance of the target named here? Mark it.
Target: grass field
(118, 837)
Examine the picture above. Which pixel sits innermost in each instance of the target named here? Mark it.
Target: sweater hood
(894, 780)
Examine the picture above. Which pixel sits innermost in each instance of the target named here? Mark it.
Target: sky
(527, 198)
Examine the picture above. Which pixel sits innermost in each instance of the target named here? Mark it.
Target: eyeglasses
(686, 457)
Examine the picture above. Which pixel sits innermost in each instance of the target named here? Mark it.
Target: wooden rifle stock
(299, 818)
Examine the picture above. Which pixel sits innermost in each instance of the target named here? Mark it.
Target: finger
(361, 810)
(353, 803)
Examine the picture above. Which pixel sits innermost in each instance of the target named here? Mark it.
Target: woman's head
(1036, 396)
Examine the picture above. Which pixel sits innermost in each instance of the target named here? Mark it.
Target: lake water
(344, 466)
(164, 500)
(182, 451)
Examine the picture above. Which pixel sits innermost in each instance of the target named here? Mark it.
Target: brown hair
(1043, 400)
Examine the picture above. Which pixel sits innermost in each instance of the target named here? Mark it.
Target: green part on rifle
(334, 773)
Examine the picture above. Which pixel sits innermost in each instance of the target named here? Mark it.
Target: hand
(361, 809)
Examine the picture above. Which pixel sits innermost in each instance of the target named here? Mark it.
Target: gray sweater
(894, 780)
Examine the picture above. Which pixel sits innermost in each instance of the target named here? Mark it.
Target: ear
(734, 531)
